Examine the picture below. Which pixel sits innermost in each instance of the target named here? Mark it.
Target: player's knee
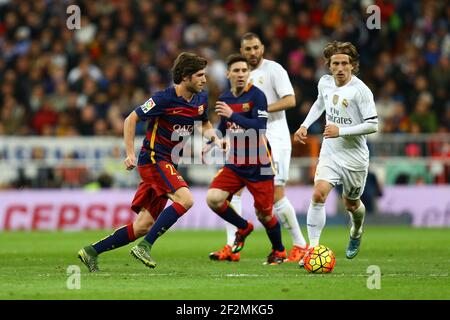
(183, 197)
(264, 216)
(214, 203)
(352, 205)
(264, 219)
(187, 202)
(319, 196)
(213, 200)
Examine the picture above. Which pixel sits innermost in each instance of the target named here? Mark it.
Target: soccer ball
(319, 259)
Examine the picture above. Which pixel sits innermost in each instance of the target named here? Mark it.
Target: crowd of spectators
(61, 82)
(55, 81)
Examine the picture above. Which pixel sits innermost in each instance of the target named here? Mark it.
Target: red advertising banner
(81, 210)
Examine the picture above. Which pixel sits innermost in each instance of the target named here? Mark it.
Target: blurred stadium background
(65, 94)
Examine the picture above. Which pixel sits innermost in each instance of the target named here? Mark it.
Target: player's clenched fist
(301, 135)
(130, 162)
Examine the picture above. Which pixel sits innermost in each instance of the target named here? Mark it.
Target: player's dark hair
(186, 64)
(250, 36)
(235, 57)
(347, 48)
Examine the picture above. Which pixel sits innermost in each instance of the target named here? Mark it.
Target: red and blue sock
(165, 220)
(273, 231)
(122, 236)
(227, 213)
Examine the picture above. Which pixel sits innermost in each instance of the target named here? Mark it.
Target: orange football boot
(297, 253)
(276, 257)
(225, 254)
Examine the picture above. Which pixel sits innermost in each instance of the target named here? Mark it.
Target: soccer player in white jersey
(344, 156)
(273, 80)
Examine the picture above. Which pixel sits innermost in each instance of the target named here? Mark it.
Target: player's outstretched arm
(129, 133)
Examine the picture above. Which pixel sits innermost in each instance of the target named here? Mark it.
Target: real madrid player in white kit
(273, 80)
(344, 156)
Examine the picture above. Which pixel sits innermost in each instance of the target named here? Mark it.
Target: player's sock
(231, 230)
(122, 236)
(165, 220)
(231, 233)
(315, 221)
(236, 203)
(273, 230)
(286, 214)
(357, 218)
(227, 213)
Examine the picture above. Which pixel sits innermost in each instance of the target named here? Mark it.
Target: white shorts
(353, 182)
(282, 159)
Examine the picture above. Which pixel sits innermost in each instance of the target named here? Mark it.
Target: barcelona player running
(171, 115)
(243, 111)
(273, 80)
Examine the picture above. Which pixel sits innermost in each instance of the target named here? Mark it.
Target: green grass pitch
(414, 263)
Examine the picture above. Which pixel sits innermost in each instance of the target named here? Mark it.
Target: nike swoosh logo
(176, 111)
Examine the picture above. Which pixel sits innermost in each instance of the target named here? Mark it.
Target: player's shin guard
(236, 204)
(357, 218)
(122, 236)
(315, 221)
(273, 231)
(227, 213)
(285, 212)
(166, 219)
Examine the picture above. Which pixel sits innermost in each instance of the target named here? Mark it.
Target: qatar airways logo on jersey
(247, 146)
(182, 130)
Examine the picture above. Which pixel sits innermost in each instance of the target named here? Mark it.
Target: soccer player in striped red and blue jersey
(243, 111)
(172, 115)
(273, 80)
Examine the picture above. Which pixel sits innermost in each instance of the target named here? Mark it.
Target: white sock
(236, 203)
(357, 218)
(315, 220)
(285, 212)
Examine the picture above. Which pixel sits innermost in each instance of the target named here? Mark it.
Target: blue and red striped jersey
(250, 154)
(170, 122)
